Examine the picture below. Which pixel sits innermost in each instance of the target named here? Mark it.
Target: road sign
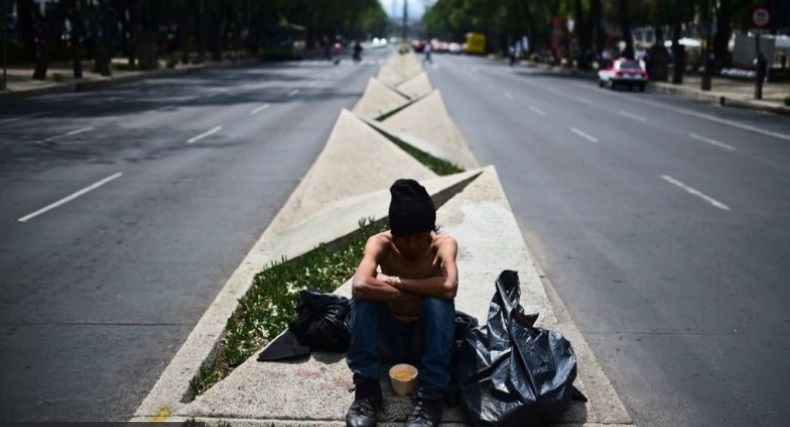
(761, 16)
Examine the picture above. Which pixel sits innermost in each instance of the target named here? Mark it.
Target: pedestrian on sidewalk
(403, 308)
(427, 49)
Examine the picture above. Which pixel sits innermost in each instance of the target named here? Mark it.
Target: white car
(624, 72)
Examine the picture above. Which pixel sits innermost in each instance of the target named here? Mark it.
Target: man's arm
(365, 284)
(444, 286)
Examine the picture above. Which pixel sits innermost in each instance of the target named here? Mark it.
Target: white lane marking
(508, 96)
(632, 116)
(712, 141)
(79, 131)
(560, 93)
(29, 116)
(692, 113)
(537, 110)
(584, 135)
(204, 134)
(74, 132)
(313, 83)
(293, 93)
(70, 198)
(695, 192)
(259, 109)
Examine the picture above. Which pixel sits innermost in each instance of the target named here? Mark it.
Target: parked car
(623, 72)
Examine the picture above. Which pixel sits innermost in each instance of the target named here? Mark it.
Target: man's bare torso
(407, 307)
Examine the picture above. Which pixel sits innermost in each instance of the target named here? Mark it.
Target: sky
(416, 7)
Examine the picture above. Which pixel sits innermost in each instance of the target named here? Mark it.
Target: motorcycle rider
(357, 51)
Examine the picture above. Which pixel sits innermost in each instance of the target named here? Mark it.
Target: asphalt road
(663, 224)
(124, 211)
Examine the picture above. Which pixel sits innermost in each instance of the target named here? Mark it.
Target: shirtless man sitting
(403, 307)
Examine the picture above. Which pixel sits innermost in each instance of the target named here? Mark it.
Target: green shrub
(787, 101)
(57, 77)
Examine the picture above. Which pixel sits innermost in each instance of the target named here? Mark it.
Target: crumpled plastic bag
(321, 321)
(320, 325)
(512, 373)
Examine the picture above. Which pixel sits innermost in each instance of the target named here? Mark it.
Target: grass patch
(439, 166)
(270, 304)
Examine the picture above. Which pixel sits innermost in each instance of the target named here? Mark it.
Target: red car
(624, 72)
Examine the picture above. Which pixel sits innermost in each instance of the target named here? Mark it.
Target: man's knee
(440, 308)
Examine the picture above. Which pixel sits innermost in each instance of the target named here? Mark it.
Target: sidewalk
(739, 93)
(724, 91)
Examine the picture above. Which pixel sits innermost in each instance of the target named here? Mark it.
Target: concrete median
(350, 181)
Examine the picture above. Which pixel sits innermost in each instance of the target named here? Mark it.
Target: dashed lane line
(695, 192)
(259, 109)
(632, 116)
(692, 113)
(537, 110)
(712, 141)
(204, 134)
(29, 116)
(584, 135)
(72, 133)
(71, 197)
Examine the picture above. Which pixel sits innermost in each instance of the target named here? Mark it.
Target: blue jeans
(377, 337)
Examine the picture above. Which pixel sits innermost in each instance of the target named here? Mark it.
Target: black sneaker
(426, 412)
(367, 403)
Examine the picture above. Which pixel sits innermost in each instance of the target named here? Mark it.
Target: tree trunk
(74, 36)
(24, 10)
(584, 36)
(104, 56)
(624, 15)
(183, 30)
(723, 32)
(596, 13)
(132, 26)
(530, 18)
(678, 59)
(55, 20)
(201, 29)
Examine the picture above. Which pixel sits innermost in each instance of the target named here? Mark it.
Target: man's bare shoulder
(380, 241)
(442, 239)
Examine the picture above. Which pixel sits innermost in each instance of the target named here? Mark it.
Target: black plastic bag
(462, 324)
(321, 321)
(511, 373)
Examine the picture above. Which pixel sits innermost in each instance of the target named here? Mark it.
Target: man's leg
(374, 333)
(369, 320)
(437, 329)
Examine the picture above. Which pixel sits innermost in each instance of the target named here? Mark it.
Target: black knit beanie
(411, 209)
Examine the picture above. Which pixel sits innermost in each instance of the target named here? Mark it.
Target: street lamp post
(5, 43)
(707, 59)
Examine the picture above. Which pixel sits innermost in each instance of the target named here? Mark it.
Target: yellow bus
(475, 43)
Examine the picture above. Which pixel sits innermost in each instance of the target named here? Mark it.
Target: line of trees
(192, 29)
(596, 22)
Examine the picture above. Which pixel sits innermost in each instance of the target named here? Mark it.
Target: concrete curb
(90, 85)
(718, 98)
(663, 87)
